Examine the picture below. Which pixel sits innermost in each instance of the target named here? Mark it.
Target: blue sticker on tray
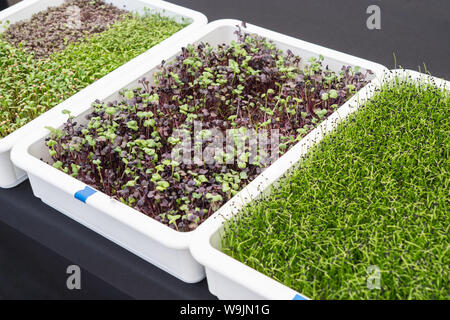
(83, 195)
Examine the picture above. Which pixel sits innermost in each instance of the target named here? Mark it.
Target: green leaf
(58, 165)
(129, 94)
(333, 94)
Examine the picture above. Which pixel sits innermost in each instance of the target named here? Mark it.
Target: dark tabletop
(37, 244)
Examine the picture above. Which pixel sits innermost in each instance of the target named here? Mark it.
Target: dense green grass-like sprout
(373, 193)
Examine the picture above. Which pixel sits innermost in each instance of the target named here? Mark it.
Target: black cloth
(3, 4)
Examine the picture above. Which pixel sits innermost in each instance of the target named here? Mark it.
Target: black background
(417, 31)
(37, 243)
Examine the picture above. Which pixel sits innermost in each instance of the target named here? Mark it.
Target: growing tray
(231, 279)
(140, 234)
(10, 176)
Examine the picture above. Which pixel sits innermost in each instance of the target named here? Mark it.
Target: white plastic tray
(231, 279)
(11, 176)
(125, 226)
